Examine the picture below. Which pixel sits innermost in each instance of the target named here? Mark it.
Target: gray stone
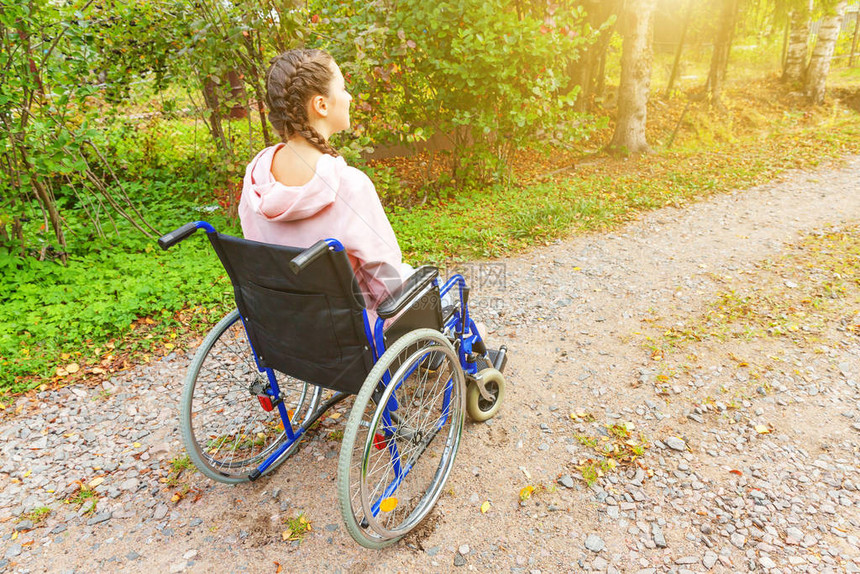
(793, 536)
(657, 533)
(99, 518)
(675, 443)
(566, 481)
(738, 539)
(24, 525)
(687, 560)
(58, 529)
(132, 555)
(160, 511)
(599, 563)
(766, 562)
(594, 543)
(13, 551)
(459, 560)
(710, 559)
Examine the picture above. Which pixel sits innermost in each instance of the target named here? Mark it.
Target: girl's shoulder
(354, 178)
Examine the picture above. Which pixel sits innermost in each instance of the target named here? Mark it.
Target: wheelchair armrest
(404, 294)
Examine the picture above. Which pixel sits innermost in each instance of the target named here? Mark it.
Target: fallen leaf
(762, 429)
(176, 497)
(485, 507)
(72, 368)
(526, 492)
(61, 372)
(277, 568)
(96, 481)
(14, 535)
(334, 416)
(286, 534)
(136, 445)
(26, 474)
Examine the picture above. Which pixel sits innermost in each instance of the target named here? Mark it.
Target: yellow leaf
(485, 507)
(98, 371)
(169, 346)
(176, 497)
(149, 321)
(286, 534)
(526, 492)
(65, 356)
(761, 429)
(72, 368)
(96, 481)
(26, 474)
(61, 372)
(334, 416)
(136, 445)
(2, 407)
(388, 504)
(14, 535)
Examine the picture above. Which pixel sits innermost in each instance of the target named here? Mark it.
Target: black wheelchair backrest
(308, 325)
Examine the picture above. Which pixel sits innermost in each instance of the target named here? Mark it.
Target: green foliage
(485, 73)
(48, 309)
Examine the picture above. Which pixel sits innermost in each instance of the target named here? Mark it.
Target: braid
(293, 79)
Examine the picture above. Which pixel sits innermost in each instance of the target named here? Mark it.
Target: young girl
(300, 191)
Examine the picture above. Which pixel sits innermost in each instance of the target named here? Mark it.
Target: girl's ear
(319, 106)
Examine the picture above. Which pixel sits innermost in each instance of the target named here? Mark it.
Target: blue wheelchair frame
(464, 339)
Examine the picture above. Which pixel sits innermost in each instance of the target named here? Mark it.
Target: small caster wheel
(484, 406)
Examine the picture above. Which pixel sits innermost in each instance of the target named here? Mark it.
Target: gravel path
(749, 467)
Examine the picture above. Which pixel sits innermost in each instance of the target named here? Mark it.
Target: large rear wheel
(226, 432)
(401, 438)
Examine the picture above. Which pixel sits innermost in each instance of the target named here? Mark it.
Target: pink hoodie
(338, 202)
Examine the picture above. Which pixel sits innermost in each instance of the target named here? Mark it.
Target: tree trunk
(819, 64)
(722, 48)
(636, 59)
(586, 71)
(798, 45)
(854, 42)
(210, 96)
(680, 49)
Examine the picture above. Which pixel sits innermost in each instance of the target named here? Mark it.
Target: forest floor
(683, 396)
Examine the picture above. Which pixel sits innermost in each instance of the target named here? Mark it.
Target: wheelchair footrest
(498, 359)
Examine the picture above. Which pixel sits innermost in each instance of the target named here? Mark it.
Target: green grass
(37, 515)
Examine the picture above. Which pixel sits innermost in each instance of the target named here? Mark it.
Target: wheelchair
(300, 341)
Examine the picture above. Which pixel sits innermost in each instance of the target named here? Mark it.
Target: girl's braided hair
(293, 79)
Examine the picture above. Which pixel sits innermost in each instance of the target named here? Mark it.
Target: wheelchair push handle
(168, 240)
(308, 256)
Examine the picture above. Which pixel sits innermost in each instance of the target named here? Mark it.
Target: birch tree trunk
(798, 45)
(636, 59)
(819, 64)
(722, 48)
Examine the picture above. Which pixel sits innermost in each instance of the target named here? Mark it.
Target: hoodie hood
(277, 202)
